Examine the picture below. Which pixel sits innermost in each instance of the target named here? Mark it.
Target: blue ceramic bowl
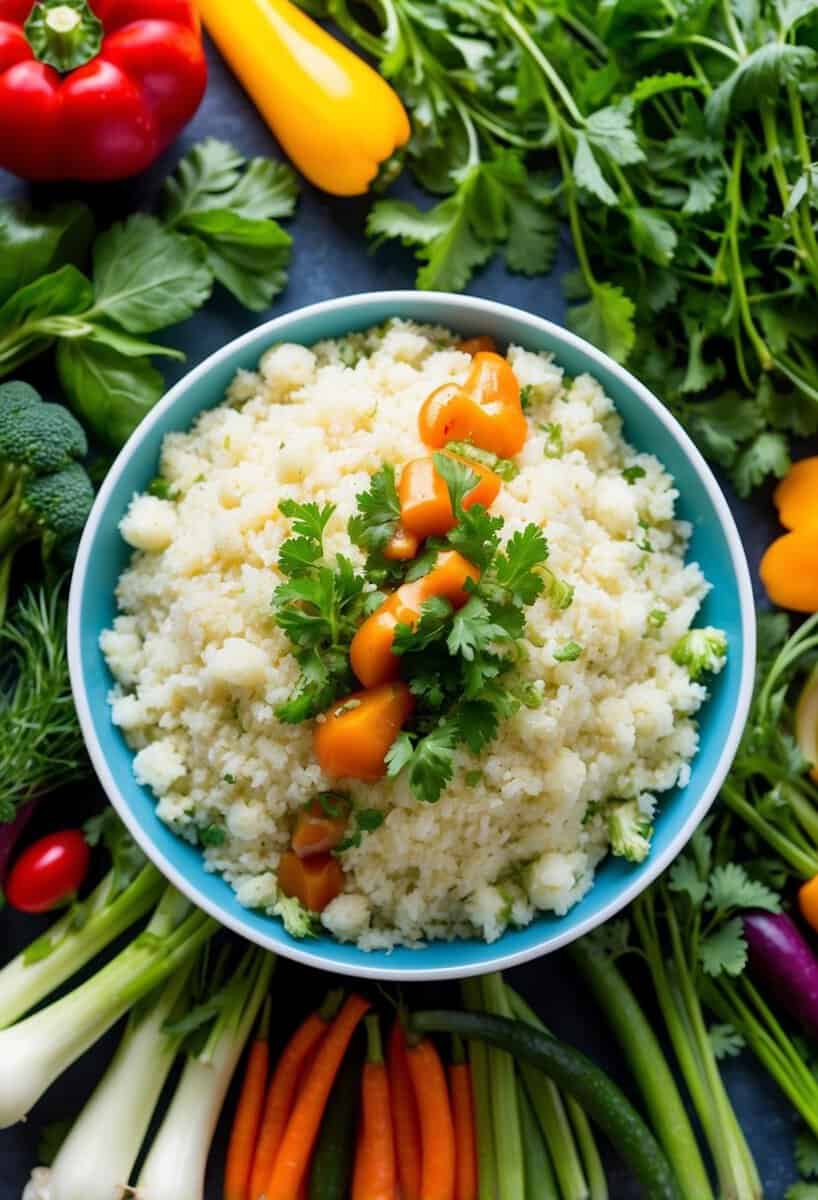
(715, 545)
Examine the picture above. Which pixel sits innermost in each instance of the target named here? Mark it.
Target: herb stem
(805, 864)
(737, 273)
(524, 38)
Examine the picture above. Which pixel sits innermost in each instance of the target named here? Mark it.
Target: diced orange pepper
(485, 411)
(796, 496)
(474, 345)
(789, 570)
(425, 507)
(313, 881)
(370, 653)
(402, 545)
(316, 831)
(352, 740)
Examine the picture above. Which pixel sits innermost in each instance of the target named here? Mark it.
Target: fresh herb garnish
(657, 617)
(553, 439)
(375, 524)
(212, 835)
(504, 467)
(366, 820)
(631, 474)
(319, 607)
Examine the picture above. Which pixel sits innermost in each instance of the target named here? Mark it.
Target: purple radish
(781, 956)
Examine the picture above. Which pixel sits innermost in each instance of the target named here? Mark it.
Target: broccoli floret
(630, 831)
(297, 920)
(701, 650)
(45, 492)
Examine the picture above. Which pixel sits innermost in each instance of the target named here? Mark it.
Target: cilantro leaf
(684, 877)
(653, 237)
(611, 131)
(806, 1153)
(435, 621)
(731, 887)
(568, 653)
(476, 536)
(606, 320)
(514, 568)
(309, 519)
(459, 478)
(766, 455)
(378, 511)
(725, 950)
(726, 1041)
(477, 723)
(588, 172)
(761, 74)
(473, 629)
(429, 760)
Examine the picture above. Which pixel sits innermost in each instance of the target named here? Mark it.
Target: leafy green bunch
(216, 223)
(676, 143)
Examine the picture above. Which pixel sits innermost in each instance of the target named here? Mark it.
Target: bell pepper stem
(64, 34)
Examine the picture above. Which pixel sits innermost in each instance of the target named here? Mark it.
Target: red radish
(780, 955)
(48, 874)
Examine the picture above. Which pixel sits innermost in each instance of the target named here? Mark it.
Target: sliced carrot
(796, 496)
(295, 1061)
(436, 1124)
(789, 570)
(425, 507)
(370, 653)
(352, 740)
(317, 830)
(375, 1175)
(297, 1144)
(249, 1112)
(405, 1117)
(808, 901)
(460, 1088)
(474, 345)
(402, 545)
(485, 410)
(313, 881)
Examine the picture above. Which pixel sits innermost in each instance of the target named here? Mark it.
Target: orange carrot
(353, 737)
(249, 1109)
(465, 1186)
(474, 345)
(436, 1124)
(321, 825)
(297, 1144)
(405, 1118)
(313, 881)
(294, 1061)
(375, 1175)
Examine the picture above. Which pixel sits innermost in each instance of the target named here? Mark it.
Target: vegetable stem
(505, 1111)
(481, 1083)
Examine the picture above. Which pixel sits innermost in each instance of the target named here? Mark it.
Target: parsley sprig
(319, 607)
(458, 662)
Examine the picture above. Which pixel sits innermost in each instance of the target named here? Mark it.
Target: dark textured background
(331, 259)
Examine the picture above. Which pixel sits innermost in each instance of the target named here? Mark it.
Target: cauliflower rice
(200, 665)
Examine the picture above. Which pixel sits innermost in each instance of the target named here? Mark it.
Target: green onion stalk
(111, 1128)
(74, 940)
(504, 1107)
(38, 1049)
(177, 1160)
(672, 957)
(481, 1085)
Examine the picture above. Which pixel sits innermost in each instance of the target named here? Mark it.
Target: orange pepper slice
(485, 411)
(370, 653)
(316, 832)
(352, 740)
(402, 545)
(313, 881)
(796, 496)
(425, 507)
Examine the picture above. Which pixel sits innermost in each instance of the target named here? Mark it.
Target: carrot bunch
(789, 568)
(415, 1128)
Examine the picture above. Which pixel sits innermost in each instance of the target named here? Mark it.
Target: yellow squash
(335, 117)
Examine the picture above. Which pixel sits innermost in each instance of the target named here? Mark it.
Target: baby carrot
(375, 1175)
(404, 1114)
(281, 1092)
(436, 1125)
(296, 1146)
(465, 1187)
(248, 1113)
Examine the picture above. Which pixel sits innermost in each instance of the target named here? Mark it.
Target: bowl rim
(267, 330)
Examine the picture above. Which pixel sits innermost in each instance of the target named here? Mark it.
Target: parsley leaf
(725, 950)
(515, 568)
(378, 511)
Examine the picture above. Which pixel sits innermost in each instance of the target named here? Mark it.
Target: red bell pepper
(95, 89)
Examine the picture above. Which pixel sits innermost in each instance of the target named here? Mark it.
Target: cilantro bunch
(319, 607)
(216, 224)
(675, 140)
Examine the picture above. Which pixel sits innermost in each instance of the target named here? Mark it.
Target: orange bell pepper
(474, 345)
(313, 881)
(316, 830)
(789, 570)
(796, 496)
(485, 410)
(352, 740)
(370, 653)
(425, 507)
(335, 117)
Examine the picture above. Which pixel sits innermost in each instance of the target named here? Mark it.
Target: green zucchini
(334, 1155)
(570, 1070)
